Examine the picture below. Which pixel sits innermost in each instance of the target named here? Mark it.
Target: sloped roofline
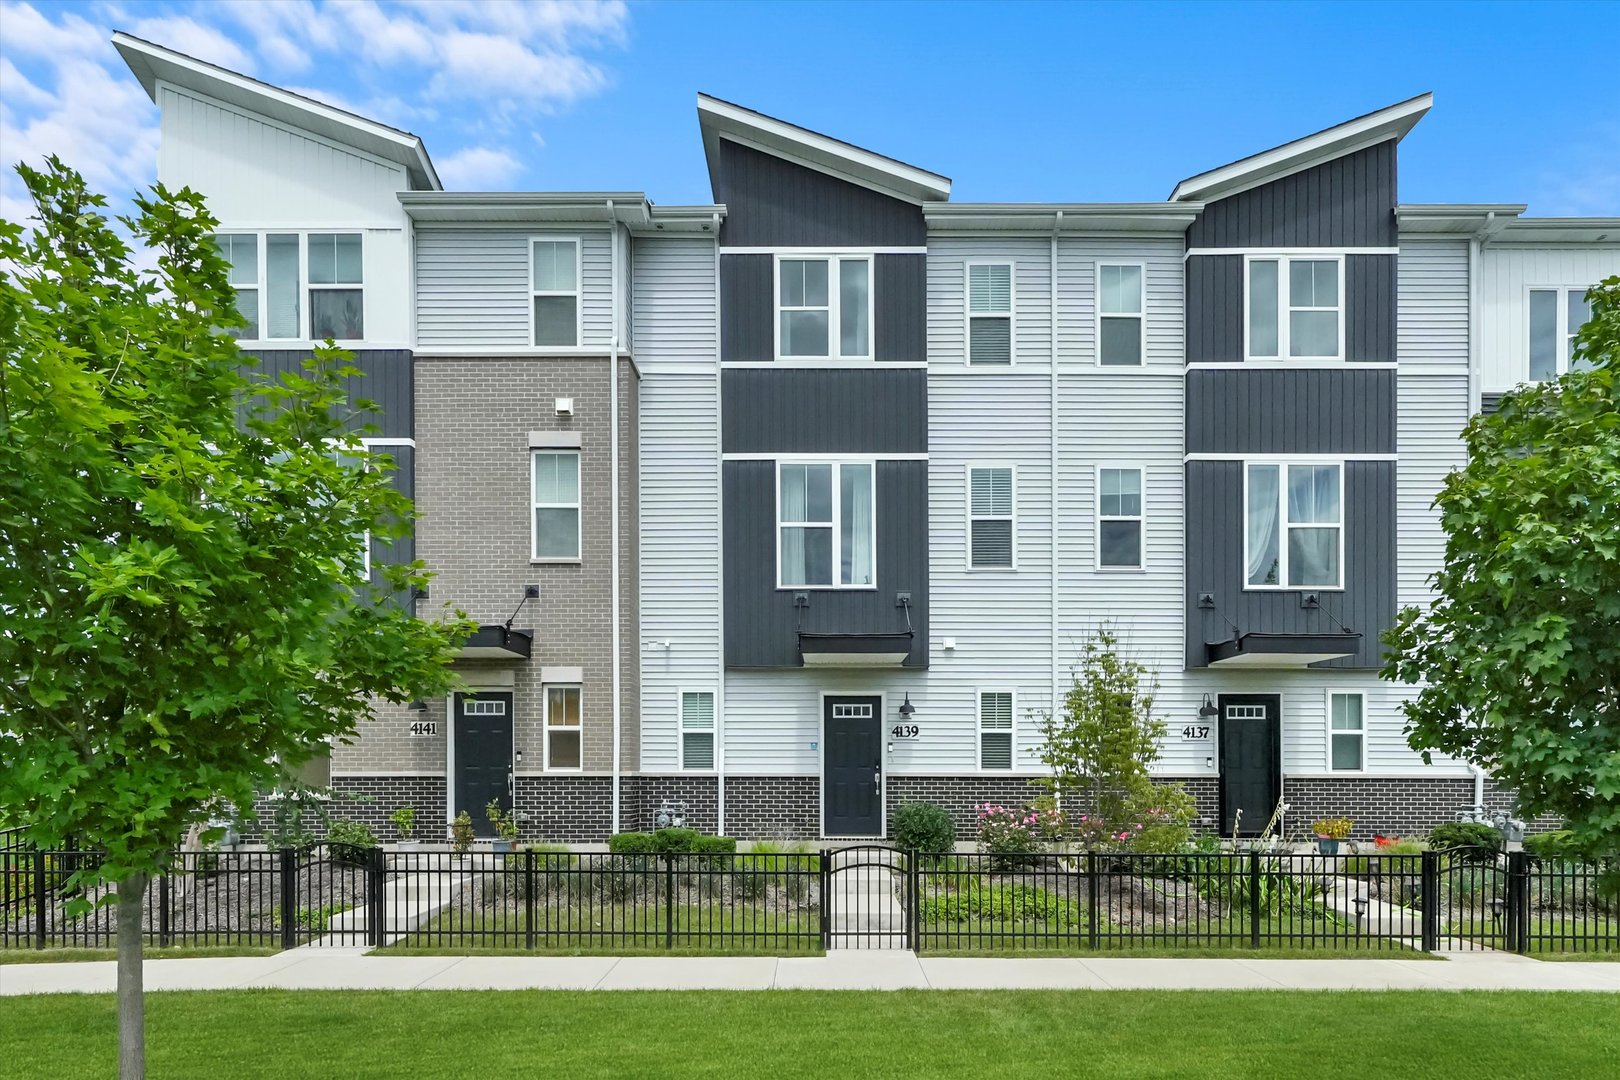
(1381, 125)
(152, 63)
(718, 118)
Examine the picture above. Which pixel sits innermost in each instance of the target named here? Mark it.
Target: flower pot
(1327, 845)
(408, 845)
(500, 847)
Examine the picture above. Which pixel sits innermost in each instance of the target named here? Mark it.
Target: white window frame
(1329, 694)
(1565, 334)
(1140, 519)
(546, 726)
(835, 328)
(1141, 316)
(970, 517)
(310, 286)
(979, 730)
(1283, 525)
(577, 292)
(305, 315)
(836, 464)
(968, 314)
(1284, 307)
(578, 507)
(713, 730)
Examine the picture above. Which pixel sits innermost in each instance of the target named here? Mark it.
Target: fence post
(377, 912)
(39, 899)
(825, 863)
(164, 940)
(913, 890)
(529, 886)
(669, 900)
(1254, 899)
(1518, 902)
(1092, 934)
(1431, 901)
(289, 898)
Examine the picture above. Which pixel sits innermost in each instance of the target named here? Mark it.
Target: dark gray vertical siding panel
(1370, 307)
(1282, 411)
(822, 410)
(900, 307)
(747, 307)
(1215, 525)
(762, 625)
(772, 202)
(386, 380)
(1215, 309)
(402, 549)
(1347, 202)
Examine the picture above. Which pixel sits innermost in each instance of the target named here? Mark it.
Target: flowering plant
(1332, 828)
(1009, 834)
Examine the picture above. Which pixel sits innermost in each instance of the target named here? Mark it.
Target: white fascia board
(628, 208)
(1455, 219)
(717, 118)
(152, 64)
(1390, 122)
(1591, 230)
(1161, 219)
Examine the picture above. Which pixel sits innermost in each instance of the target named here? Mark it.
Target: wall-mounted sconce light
(907, 708)
(1207, 710)
(417, 706)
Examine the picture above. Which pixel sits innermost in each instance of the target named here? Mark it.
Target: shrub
(1476, 841)
(633, 843)
(348, 841)
(1393, 857)
(674, 841)
(924, 827)
(1002, 904)
(1555, 846)
(404, 820)
(713, 852)
(1007, 834)
(461, 834)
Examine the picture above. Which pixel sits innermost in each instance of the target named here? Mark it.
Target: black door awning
(1281, 650)
(854, 650)
(492, 641)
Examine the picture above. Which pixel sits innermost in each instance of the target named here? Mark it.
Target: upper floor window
(241, 250)
(826, 526)
(556, 533)
(824, 307)
(1119, 519)
(990, 518)
(1556, 315)
(554, 282)
(1119, 315)
(989, 307)
(337, 306)
(269, 271)
(1295, 530)
(1296, 304)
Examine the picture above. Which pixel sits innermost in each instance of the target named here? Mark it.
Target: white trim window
(826, 525)
(241, 251)
(1120, 519)
(1347, 731)
(989, 314)
(995, 730)
(283, 315)
(1121, 314)
(362, 539)
(1295, 307)
(554, 301)
(992, 514)
(1294, 531)
(697, 729)
(824, 307)
(1555, 316)
(555, 512)
(337, 297)
(564, 732)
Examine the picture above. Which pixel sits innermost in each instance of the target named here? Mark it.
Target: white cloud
(478, 168)
(28, 31)
(490, 67)
(194, 39)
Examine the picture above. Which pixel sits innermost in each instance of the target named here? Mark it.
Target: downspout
(720, 548)
(613, 493)
(1475, 375)
(1057, 667)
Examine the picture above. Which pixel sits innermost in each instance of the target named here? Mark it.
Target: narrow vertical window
(556, 505)
(990, 304)
(1264, 526)
(804, 307)
(697, 729)
(1119, 519)
(555, 283)
(1119, 312)
(1347, 732)
(282, 318)
(336, 296)
(990, 518)
(563, 744)
(1579, 312)
(1263, 307)
(241, 250)
(1543, 334)
(854, 308)
(856, 535)
(995, 729)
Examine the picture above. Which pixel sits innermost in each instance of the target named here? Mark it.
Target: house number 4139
(904, 731)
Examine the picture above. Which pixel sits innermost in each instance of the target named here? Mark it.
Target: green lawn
(618, 930)
(268, 1034)
(175, 952)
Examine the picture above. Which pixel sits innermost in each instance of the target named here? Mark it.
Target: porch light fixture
(1207, 710)
(907, 708)
(418, 706)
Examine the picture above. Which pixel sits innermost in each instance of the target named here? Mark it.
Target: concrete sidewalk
(352, 969)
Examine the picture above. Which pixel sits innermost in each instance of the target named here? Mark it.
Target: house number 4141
(424, 727)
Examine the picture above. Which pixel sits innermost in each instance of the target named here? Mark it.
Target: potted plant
(404, 820)
(506, 826)
(461, 835)
(1329, 831)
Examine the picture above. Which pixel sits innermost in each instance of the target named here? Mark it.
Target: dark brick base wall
(566, 809)
(773, 807)
(961, 795)
(644, 795)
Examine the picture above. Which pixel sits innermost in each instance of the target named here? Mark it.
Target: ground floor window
(1347, 732)
(995, 729)
(697, 729)
(562, 728)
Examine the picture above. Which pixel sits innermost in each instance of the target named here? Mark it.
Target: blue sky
(1014, 102)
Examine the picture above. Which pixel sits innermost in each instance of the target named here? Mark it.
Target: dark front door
(852, 766)
(483, 756)
(1251, 761)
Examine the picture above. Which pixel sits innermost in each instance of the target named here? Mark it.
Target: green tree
(1519, 655)
(183, 594)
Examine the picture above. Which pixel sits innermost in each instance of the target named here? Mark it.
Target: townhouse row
(780, 511)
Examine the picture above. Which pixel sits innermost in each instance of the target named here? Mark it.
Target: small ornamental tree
(183, 602)
(1519, 655)
(1099, 748)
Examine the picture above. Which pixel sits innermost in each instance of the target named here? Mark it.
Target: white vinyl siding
(697, 729)
(473, 288)
(1507, 274)
(990, 313)
(995, 730)
(992, 518)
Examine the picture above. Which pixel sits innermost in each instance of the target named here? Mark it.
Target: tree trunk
(131, 1002)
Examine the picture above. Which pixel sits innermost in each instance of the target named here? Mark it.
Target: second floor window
(990, 306)
(556, 505)
(337, 307)
(555, 285)
(269, 271)
(826, 525)
(1295, 526)
(990, 518)
(1119, 315)
(824, 307)
(1556, 316)
(1295, 304)
(1119, 519)
(241, 250)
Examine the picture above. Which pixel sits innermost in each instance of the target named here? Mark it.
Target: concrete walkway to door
(864, 899)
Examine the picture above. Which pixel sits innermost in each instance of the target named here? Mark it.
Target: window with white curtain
(990, 517)
(1347, 732)
(1295, 525)
(826, 525)
(241, 250)
(1296, 307)
(824, 307)
(1119, 519)
(554, 284)
(995, 729)
(697, 729)
(1556, 316)
(990, 308)
(1119, 315)
(556, 533)
(337, 307)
